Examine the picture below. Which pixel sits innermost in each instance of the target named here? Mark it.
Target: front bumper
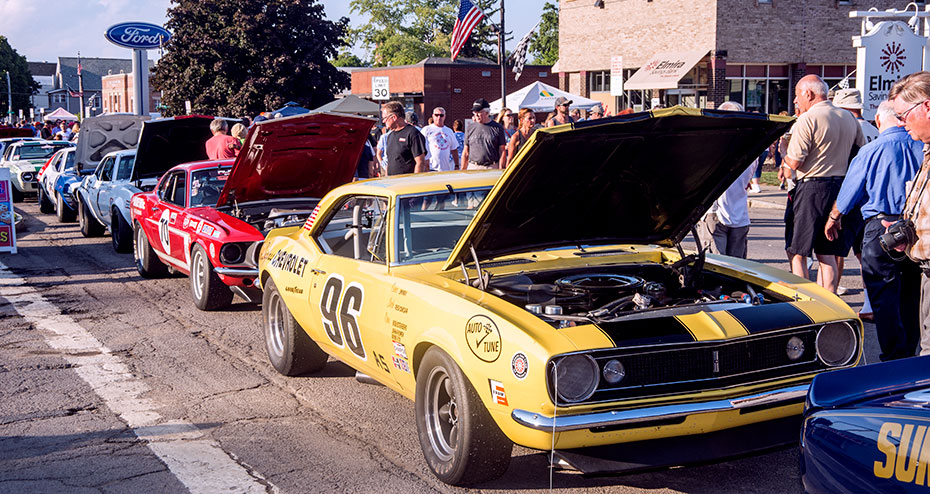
(614, 418)
(243, 272)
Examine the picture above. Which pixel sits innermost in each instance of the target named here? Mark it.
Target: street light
(868, 21)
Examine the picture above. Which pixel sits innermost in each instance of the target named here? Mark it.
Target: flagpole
(80, 88)
(503, 59)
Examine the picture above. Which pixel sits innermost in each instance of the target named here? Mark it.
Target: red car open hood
(301, 156)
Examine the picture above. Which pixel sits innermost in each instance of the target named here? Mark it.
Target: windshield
(429, 226)
(36, 151)
(206, 186)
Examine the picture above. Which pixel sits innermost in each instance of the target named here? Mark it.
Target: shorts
(853, 227)
(789, 218)
(812, 203)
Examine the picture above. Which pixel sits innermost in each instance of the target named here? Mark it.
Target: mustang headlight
(232, 253)
(836, 343)
(574, 378)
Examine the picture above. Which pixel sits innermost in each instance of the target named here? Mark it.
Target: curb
(757, 203)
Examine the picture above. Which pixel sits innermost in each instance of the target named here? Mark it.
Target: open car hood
(106, 133)
(301, 156)
(643, 178)
(166, 142)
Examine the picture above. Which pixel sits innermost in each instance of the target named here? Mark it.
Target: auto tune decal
(340, 310)
(483, 338)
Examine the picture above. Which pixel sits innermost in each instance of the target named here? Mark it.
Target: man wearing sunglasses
(911, 98)
(442, 146)
(406, 146)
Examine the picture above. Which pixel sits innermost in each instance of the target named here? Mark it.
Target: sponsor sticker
(174, 217)
(483, 338)
(519, 365)
(400, 350)
(206, 229)
(498, 393)
(400, 364)
(138, 202)
(187, 222)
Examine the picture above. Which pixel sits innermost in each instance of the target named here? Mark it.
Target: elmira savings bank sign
(885, 54)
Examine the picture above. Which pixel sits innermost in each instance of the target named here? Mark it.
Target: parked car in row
(57, 181)
(552, 305)
(207, 219)
(104, 197)
(24, 159)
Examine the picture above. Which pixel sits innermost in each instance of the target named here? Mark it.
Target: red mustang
(207, 219)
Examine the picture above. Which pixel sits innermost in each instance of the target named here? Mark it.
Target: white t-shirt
(868, 130)
(440, 141)
(732, 208)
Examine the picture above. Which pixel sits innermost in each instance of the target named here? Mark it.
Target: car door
(103, 188)
(172, 200)
(51, 175)
(350, 286)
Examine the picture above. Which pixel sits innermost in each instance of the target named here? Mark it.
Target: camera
(900, 233)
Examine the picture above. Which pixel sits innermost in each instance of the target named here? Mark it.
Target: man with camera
(874, 185)
(911, 233)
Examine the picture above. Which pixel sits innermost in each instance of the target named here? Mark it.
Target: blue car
(867, 429)
(56, 182)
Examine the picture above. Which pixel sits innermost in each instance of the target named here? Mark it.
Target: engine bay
(612, 292)
(268, 215)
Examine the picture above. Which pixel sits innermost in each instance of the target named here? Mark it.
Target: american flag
(518, 57)
(469, 17)
(74, 94)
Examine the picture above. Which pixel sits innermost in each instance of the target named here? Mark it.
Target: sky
(44, 31)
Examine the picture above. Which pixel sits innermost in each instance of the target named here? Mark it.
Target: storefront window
(755, 95)
(599, 81)
(778, 96)
(736, 91)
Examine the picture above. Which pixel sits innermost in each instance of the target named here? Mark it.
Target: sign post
(380, 88)
(139, 37)
(7, 216)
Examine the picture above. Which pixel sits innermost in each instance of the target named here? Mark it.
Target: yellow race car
(552, 305)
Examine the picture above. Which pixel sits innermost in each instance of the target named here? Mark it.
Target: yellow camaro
(551, 305)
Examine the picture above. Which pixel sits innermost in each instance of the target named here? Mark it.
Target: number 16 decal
(340, 309)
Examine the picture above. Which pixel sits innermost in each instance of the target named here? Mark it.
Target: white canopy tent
(60, 114)
(540, 97)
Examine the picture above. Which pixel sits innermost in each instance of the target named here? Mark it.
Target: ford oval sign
(137, 35)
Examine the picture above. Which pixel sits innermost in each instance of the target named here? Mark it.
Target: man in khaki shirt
(911, 98)
(819, 150)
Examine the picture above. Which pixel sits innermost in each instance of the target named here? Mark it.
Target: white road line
(197, 461)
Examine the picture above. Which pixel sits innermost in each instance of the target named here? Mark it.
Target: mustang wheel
(90, 227)
(208, 289)
(17, 194)
(147, 261)
(121, 233)
(65, 215)
(45, 205)
(459, 439)
(290, 349)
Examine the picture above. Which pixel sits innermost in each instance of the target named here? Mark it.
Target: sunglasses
(903, 116)
(439, 114)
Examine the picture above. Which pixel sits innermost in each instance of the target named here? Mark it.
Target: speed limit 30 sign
(380, 89)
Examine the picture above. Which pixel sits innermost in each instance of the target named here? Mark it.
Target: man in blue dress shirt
(876, 183)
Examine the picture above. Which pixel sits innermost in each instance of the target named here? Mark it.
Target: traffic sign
(380, 88)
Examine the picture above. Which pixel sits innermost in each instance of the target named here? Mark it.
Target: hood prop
(483, 279)
(690, 267)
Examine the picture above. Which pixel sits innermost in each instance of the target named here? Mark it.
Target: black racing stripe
(647, 331)
(761, 318)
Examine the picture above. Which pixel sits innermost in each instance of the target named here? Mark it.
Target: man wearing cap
(485, 140)
(562, 105)
(596, 113)
(851, 100)
(875, 185)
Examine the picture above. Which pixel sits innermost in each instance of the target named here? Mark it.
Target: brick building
(118, 94)
(754, 50)
(452, 85)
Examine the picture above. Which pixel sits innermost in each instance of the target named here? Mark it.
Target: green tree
(348, 59)
(21, 83)
(403, 32)
(545, 44)
(244, 57)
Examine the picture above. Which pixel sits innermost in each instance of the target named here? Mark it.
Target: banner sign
(616, 76)
(137, 35)
(888, 52)
(7, 228)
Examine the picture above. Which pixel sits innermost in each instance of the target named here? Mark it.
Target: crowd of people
(58, 130)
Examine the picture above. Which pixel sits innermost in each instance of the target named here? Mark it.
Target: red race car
(207, 219)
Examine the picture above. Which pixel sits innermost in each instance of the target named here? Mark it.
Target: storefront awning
(664, 70)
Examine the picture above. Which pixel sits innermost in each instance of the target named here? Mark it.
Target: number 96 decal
(340, 310)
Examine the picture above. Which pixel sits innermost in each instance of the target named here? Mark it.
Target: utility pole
(501, 42)
(9, 97)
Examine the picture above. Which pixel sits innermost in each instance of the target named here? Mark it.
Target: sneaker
(842, 290)
(783, 186)
(754, 188)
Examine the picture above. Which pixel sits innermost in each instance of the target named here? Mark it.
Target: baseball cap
(480, 104)
(848, 98)
(562, 100)
(597, 109)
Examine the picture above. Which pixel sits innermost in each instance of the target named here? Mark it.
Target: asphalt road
(112, 383)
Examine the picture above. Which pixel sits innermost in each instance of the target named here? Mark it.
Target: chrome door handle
(317, 271)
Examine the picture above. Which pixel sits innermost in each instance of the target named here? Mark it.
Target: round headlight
(613, 372)
(27, 177)
(795, 348)
(836, 343)
(232, 254)
(576, 378)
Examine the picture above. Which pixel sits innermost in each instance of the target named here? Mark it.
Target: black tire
(460, 441)
(45, 205)
(90, 227)
(290, 350)
(65, 215)
(16, 193)
(121, 233)
(209, 291)
(147, 262)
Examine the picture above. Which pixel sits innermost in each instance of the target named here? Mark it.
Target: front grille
(692, 367)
